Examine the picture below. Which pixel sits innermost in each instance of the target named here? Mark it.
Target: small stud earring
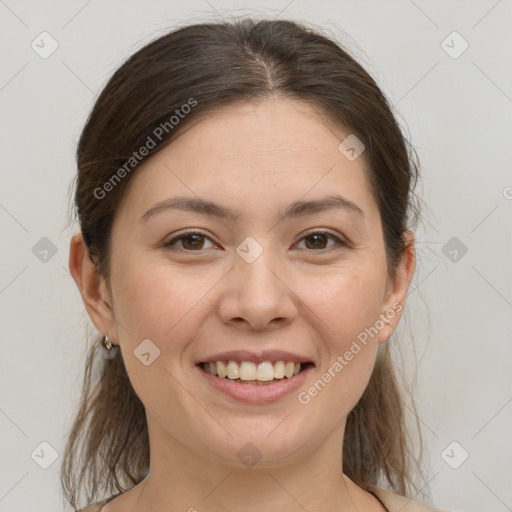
(107, 343)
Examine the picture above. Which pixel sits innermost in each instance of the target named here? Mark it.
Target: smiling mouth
(261, 374)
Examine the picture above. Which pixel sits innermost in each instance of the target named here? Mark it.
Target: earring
(107, 343)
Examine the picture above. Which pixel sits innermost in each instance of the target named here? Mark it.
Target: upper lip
(256, 357)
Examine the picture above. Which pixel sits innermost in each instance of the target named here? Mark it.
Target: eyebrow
(294, 210)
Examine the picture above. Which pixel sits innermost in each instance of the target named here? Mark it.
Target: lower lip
(253, 393)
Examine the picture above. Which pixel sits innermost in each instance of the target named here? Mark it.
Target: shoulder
(94, 507)
(396, 503)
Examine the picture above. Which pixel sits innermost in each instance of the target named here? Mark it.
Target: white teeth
(232, 370)
(221, 369)
(265, 371)
(249, 371)
(279, 370)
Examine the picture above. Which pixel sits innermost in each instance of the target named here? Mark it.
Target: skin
(298, 296)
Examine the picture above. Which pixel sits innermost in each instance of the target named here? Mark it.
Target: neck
(183, 479)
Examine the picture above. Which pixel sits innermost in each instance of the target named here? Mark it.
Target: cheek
(348, 305)
(158, 301)
(347, 302)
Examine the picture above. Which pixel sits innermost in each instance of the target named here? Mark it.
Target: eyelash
(169, 245)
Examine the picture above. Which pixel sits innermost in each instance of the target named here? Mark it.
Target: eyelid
(322, 231)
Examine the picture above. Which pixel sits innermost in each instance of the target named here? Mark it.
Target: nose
(257, 295)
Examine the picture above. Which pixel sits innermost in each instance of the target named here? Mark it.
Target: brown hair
(214, 65)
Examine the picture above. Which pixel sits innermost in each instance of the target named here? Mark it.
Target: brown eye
(192, 242)
(319, 239)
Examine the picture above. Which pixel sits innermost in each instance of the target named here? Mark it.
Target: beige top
(393, 502)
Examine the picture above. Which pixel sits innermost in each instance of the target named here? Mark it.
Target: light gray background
(458, 113)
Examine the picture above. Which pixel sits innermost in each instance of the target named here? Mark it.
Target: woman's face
(261, 280)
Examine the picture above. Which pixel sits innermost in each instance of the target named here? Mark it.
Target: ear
(92, 287)
(397, 289)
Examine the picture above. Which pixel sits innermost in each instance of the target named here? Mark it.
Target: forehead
(277, 150)
(267, 131)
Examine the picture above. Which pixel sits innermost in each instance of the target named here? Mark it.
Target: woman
(243, 194)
